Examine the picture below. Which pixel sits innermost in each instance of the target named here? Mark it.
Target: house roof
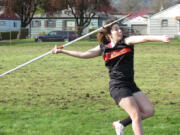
(8, 16)
(66, 14)
(141, 12)
(138, 20)
(171, 12)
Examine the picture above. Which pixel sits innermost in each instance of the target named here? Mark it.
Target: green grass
(62, 95)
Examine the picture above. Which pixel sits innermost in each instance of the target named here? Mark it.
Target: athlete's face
(116, 33)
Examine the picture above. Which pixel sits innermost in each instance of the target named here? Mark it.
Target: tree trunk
(23, 33)
(20, 34)
(79, 30)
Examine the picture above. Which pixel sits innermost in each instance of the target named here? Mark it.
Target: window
(51, 23)
(70, 25)
(94, 24)
(15, 24)
(2, 23)
(164, 23)
(53, 33)
(36, 23)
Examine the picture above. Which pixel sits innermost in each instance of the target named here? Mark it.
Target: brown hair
(102, 34)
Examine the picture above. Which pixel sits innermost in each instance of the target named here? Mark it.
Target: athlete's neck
(112, 44)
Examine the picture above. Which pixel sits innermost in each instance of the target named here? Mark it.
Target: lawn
(63, 95)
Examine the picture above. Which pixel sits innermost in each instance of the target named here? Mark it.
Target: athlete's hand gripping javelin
(56, 50)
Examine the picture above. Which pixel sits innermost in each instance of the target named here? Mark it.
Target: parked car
(57, 36)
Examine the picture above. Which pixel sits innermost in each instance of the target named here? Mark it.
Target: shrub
(9, 35)
(93, 36)
(42, 33)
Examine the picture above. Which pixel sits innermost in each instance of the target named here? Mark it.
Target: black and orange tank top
(119, 60)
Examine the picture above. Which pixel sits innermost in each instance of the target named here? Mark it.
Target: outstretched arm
(84, 55)
(147, 38)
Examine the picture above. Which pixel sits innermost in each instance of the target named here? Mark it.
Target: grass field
(62, 95)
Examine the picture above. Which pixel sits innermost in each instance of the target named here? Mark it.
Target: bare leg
(145, 106)
(130, 106)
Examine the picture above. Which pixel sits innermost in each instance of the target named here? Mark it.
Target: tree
(159, 5)
(127, 6)
(154, 6)
(25, 9)
(82, 10)
(53, 6)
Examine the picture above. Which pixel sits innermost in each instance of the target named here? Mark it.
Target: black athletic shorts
(123, 90)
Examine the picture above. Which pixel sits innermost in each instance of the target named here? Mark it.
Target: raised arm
(84, 55)
(146, 38)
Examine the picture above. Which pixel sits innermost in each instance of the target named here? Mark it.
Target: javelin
(60, 47)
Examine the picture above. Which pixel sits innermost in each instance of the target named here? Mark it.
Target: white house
(139, 24)
(138, 21)
(9, 22)
(166, 22)
(42, 23)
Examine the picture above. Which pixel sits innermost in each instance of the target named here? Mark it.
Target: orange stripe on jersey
(113, 54)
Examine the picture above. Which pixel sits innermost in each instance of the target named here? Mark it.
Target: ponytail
(102, 35)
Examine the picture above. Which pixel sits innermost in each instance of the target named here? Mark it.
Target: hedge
(7, 35)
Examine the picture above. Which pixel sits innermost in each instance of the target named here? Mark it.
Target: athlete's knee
(149, 112)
